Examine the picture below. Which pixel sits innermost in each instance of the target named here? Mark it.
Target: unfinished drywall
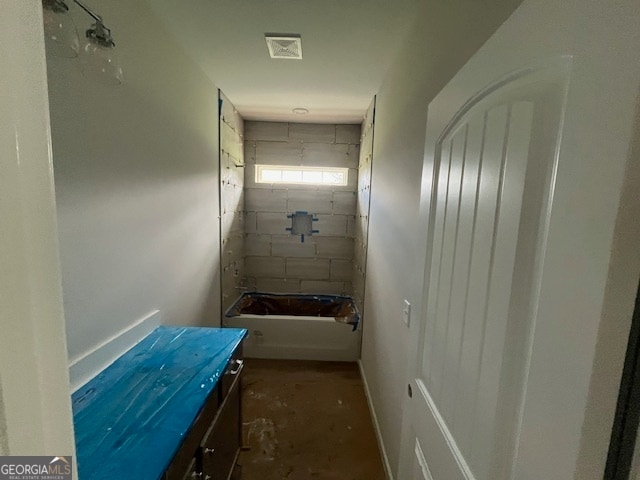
(231, 202)
(362, 207)
(445, 41)
(136, 172)
(276, 261)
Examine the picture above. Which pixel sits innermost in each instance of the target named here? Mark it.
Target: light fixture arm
(93, 14)
(98, 33)
(98, 60)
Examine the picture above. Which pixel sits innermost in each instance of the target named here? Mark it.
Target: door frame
(625, 426)
(35, 403)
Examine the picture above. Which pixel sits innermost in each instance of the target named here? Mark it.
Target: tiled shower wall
(277, 262)
(231, 202)
(362, 207)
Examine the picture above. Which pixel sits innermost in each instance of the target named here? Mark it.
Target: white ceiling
(347, 45)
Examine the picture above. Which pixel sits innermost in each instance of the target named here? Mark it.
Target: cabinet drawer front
(190, 447)
(222, 442)
(191, 473)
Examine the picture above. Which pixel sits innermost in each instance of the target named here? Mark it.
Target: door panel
(490, 390)
(480, 259)
(526, 302)
(471, 377)
(457, 321)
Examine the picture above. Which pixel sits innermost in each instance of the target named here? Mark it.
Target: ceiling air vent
(284, 46)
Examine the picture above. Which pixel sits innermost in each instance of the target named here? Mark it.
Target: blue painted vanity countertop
(131, 419)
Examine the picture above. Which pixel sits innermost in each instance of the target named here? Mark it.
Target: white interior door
(520, 205)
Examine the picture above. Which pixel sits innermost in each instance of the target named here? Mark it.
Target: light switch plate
(406, 312)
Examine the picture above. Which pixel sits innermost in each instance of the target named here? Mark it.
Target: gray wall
(280, 263)
(444, 43)
(136, 173)
(231, 202)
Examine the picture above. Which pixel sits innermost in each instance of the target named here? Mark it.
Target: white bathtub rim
(297, 337)
(254, 316)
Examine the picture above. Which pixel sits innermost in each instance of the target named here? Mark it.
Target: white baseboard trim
(376, 425)
(87, 365)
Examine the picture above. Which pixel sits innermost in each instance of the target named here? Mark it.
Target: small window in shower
(302, 175)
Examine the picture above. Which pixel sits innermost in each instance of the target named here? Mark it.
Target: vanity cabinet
(168, 409)
(221, 444)
(211, 448)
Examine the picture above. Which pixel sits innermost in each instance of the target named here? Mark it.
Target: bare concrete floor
(307, 420)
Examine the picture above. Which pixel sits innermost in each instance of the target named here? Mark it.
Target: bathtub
(297, 326)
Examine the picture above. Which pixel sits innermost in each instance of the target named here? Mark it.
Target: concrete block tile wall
(231, 202)
(265, 267)
(232, 197)
(251, 283)
(240, 199)
(353, 180)
(292, 246)
(360, 252)
(228, 278)
(334, 247)
(300, 267)
(278, 153)
(344, 202)
(249, 151)
(262, 200)
(250, 222)
(313, 202)
(232, 249)
(240, 273)
(277, 285)
(231, 175)
(312, 133)
(327, 155)
(236, 224)
(236, 176)
(324, 287)
(363, 200)
(364, 180)
(348, 287)
(250, 177)
(362, 223)
(272, 223)
(271, 131)
(366, 176)
(231, 142)
(348, 134)
(308, 268)
(359, 224)
(232, 224)
(232, 276)
(225, 225)
(341, 270)
(351, 226)
(358, 287)
(225, 169)
(257, 245)
(234, 271)
(332, 225)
